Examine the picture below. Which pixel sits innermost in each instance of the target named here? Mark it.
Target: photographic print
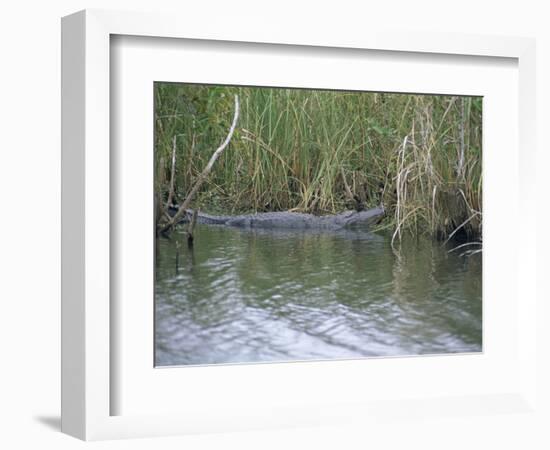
(306, 224)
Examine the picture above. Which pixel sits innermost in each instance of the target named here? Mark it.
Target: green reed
(419, 155)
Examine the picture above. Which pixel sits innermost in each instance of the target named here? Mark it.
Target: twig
(172, 174)
(191, 227)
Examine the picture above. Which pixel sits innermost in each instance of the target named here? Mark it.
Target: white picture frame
(88, 387)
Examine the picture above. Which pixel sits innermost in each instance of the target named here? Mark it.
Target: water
(248, 296)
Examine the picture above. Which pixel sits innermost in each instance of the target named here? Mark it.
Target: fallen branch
(202, 177)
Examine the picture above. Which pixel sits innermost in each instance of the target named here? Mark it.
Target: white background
(141, 389)
(29, 231)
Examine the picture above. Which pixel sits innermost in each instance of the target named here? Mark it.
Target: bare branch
(202, 177)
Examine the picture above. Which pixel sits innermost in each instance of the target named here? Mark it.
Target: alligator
(292, 220)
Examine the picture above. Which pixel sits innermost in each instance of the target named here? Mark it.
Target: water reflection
(250, 296)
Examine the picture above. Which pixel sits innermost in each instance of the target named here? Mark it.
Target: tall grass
(419, 155)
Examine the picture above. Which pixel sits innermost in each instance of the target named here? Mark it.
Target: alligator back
(291, 220)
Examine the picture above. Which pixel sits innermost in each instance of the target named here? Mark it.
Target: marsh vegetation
(325, 151)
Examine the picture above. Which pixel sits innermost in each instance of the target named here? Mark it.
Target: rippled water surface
(249, 296)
